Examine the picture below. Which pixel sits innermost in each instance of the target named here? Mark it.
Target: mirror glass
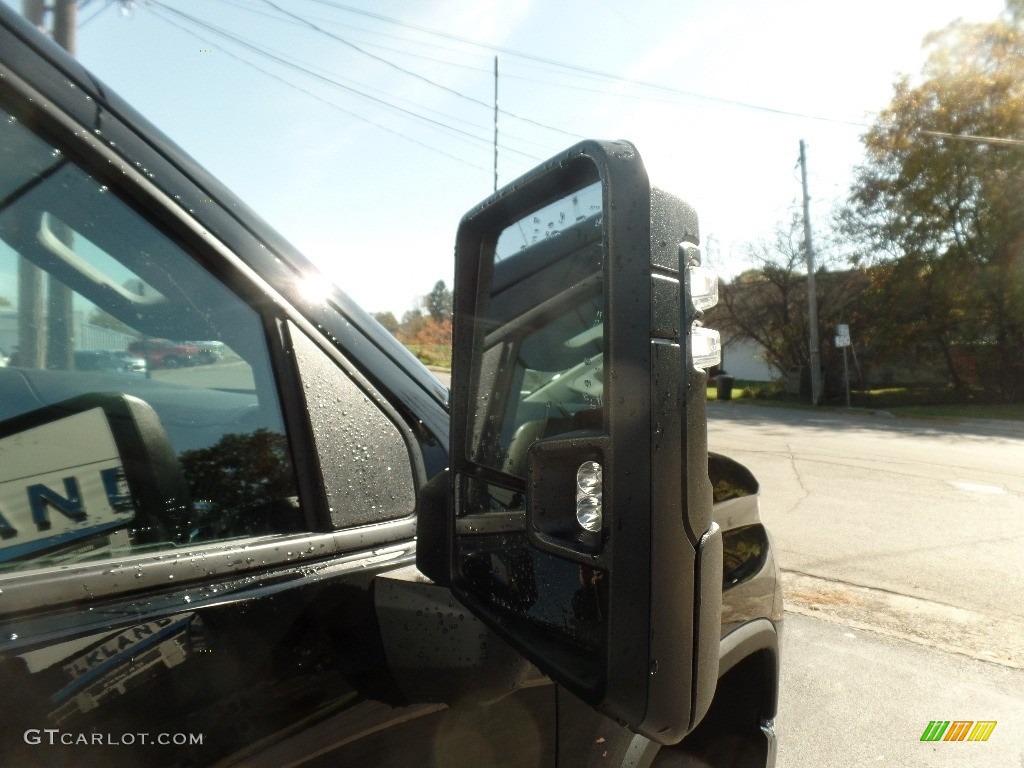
(538, 372)
(541, 366)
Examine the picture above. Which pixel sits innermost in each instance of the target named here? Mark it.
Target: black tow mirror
(579, 506)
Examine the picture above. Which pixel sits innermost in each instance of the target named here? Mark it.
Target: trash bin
(723, 384)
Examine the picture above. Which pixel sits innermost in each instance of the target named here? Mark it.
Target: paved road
(902, 548)
(917, 526)
(850, 698)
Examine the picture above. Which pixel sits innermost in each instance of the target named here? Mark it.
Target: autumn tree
(426, 328)
(940, 197)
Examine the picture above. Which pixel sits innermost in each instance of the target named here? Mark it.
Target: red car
(162, 353)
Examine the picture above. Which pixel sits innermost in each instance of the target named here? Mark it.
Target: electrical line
(240, 41)
(594, 74)
(545, 147)
(975, 139)
(95, 15)
(585, 70)
(628, 81)
(412, 73)
(319, 98)
(506, 75)
(241, 5)
(334, 22)
(375, 57)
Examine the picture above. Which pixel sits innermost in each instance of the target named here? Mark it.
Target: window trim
(39, 589)
(42, 588)
(55, 585)
(298, 401)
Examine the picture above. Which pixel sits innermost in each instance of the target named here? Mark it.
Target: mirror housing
(577, 515)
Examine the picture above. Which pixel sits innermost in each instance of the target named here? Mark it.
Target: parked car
(105, 360)
(209, 351)
(335, 560)
(162, 353)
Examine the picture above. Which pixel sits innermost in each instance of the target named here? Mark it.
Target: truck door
(187, 553)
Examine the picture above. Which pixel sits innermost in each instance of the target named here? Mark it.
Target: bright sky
(372, 186)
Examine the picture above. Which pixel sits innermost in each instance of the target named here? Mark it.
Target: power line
(320, 98)
(975, 139)
(629, 81)
(255, 48)
(412, 73)
(581, 69)
(375, 57)
(300, 21)
(541, 145)
(240, 4)
(95, 15)
(506, 75)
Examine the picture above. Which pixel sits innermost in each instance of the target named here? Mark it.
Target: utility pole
(58, 352)
(65, 20)
(60, 346)
(30, 277)
(495, 123)
(812, 296)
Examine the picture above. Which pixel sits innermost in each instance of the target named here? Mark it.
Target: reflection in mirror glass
(542, 362)
(550, 221)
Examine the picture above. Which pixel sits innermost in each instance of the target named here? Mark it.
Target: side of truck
(313, 553)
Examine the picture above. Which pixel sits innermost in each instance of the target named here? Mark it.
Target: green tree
(412, 323)
(768, 302)
(237, 478)
(388, 320)
(935, 193)
(438, 303)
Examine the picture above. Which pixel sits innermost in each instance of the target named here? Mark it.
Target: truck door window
(95, 298)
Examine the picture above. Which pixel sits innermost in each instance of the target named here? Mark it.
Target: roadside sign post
(843, 340)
